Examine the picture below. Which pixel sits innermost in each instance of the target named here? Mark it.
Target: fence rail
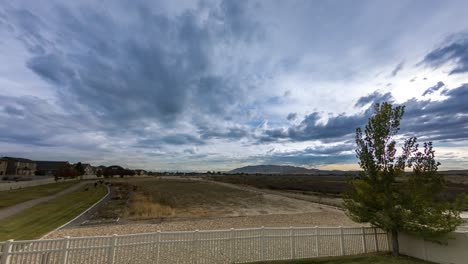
(218, 246)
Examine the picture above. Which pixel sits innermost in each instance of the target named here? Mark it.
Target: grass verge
(359, 259)
(12, 197)
(42, 218)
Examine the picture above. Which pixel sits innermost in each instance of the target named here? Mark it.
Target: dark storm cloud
(455, 51)
(117, 74)
(444, 120)
(374, 97)
(337, 127)
(291, 116)
(434, 88)
(147, 66)
(397, 69)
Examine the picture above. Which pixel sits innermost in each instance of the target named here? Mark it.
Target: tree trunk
(395, 245)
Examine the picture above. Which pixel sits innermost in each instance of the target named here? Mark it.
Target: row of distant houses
(11, 166)
(26, 167)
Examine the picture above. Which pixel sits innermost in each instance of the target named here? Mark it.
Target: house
(50, 168)
(3, 167)
(88, 169)
(20, 166)
(140, 172)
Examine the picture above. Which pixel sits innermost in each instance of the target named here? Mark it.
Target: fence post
(231, 245)
(342, 242)
(66, 244)
(6, 252)
(293, 242)
(364, 247)
(113, 244)
(316, 242)
(197, 247)
(159, 245)
(262, 244)
(376, 241)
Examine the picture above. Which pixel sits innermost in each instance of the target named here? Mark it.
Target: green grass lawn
(360, 259)
(42, 218)
(12, 197)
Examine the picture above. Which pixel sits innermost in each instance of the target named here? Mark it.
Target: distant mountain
(280, 169)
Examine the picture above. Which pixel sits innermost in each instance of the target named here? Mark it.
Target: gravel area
(328, 217)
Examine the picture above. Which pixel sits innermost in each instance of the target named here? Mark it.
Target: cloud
(312, 156)
(455, 50)
(162, 84)
(397, 69)
(444, 120)
(291, 116)
(433, 89)
(231, 133)
(375, 97)
(146, 67)
(336, 127)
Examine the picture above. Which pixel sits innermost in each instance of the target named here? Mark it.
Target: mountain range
(284, 169)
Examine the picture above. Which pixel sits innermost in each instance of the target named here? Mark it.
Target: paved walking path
(9, 211)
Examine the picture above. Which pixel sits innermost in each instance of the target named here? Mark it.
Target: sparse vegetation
(146, 198)
(144, 207)
(12, 197)
(181, 198)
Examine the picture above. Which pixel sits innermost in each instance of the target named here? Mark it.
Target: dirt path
(12, 210)
(325, 201)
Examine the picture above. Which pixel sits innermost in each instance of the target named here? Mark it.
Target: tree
(99, 173)
(66, 171)
(80, 169)
(388, 198)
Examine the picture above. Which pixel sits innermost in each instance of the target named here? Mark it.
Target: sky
(215, 85)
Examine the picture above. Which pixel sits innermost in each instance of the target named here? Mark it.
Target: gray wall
(453, 249)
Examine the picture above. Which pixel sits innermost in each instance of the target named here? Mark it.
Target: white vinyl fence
(223, 246)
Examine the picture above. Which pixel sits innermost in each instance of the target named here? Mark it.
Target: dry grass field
(326, 187)
(149, 198)
(149, 204)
